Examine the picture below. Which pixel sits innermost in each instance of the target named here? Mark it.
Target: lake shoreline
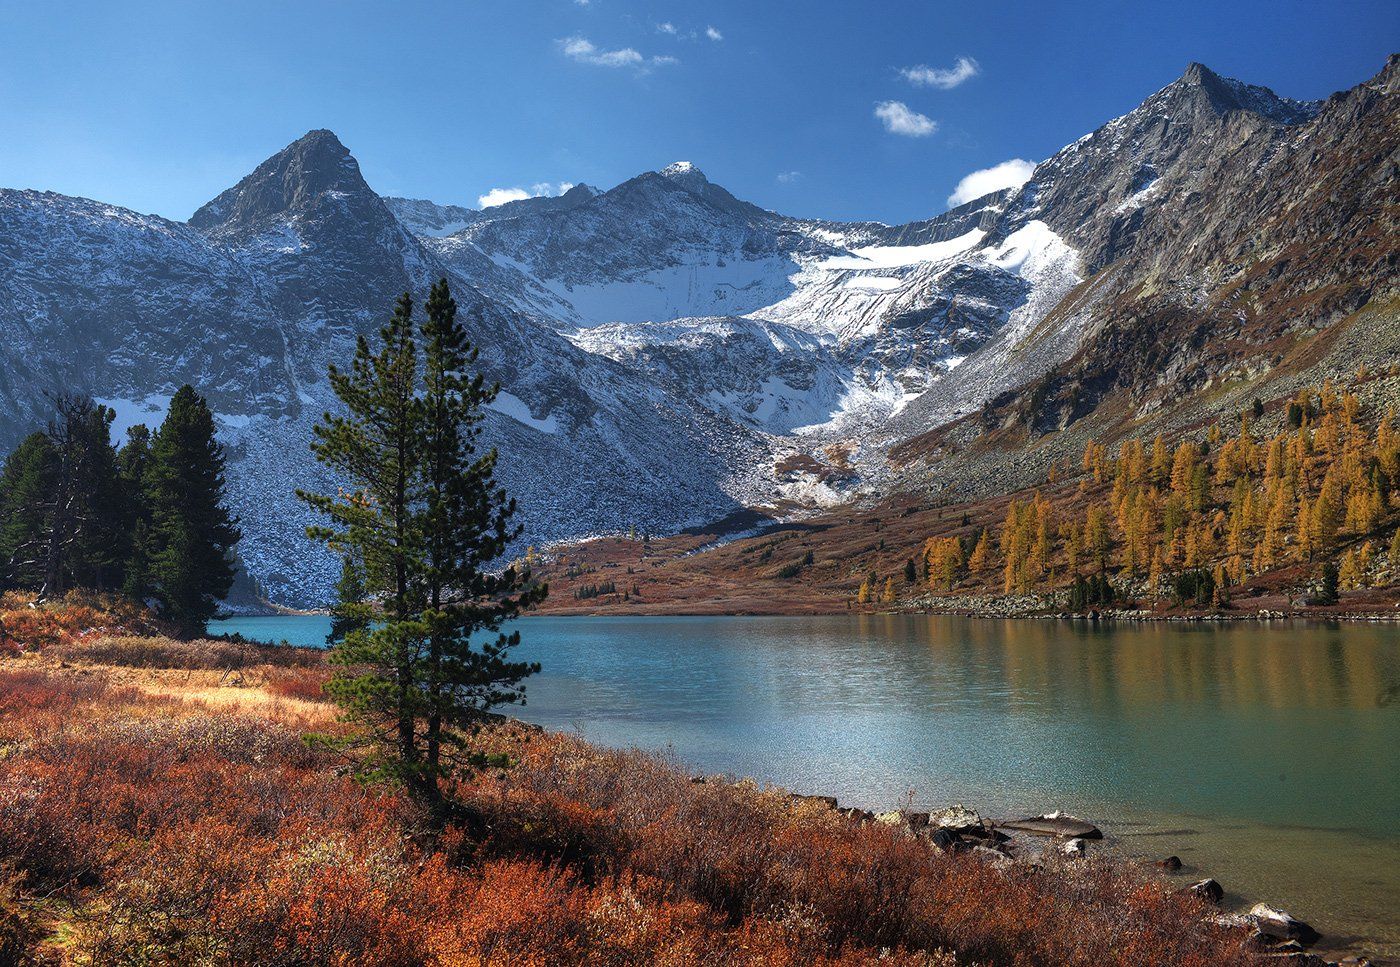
(1179, 731)
(1122, 615)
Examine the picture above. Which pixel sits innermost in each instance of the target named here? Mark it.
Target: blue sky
(816, 108)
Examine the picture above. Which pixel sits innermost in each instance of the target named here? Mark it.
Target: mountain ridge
(671, 354)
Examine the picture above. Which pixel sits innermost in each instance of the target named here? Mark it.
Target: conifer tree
(191, 533)
(26, 482)
(134, 462)
(425, 519)
(981, 554)
(376, 447)
(67, 532)
(467, 522)
(351, 611)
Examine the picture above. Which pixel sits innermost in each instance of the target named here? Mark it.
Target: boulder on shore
(1207, 889)
(903, 817)
(1054, 824)
(1281, 926)
(958, 819)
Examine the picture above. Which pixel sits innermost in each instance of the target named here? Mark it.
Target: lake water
(1265, 755)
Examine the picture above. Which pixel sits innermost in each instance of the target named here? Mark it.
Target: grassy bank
(158, 804)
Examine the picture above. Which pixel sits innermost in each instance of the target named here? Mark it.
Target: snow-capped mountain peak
(686, 175)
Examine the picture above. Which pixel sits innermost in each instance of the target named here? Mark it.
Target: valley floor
(158, 804)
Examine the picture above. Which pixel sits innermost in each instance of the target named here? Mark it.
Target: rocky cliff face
(1251, 253)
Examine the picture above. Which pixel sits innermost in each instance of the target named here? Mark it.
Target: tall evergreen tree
(134, 462)
(59, 530)
(26, 483)
(102, 544)
(191, 531)
(351, 612)
(467, 524)
(424, 514)
(376, 448)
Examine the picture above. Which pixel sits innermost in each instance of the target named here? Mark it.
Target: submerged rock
(1171, 863)
(1055, 824)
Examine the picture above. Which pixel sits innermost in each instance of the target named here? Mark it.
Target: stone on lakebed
(1054, 824)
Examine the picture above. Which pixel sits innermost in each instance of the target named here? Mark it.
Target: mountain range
(670, 355)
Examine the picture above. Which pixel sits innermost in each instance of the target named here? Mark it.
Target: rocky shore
(1060, 840)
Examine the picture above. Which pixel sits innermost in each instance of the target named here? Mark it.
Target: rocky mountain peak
(308, 172)
(1225, 94)
(581, 193)
(1388, 80)
(686, 175)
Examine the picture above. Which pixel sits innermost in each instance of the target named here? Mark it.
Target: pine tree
(104, 544)
(134, 462)
(351, 611)
(376, 447)
(864, 592)
(192, 533)
(26, 482)
(981, 554)
(467, 523)
(1327, 584)
(68, 531)
(426, 517)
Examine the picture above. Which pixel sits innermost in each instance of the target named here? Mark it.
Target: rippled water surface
(1265, 755)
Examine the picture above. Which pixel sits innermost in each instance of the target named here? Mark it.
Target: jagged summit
(686, 175)
(1225, 94)
(298, 177)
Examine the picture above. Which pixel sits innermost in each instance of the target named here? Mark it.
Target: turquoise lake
(1266, 755)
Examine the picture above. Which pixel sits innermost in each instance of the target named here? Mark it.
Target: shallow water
(1265, 755)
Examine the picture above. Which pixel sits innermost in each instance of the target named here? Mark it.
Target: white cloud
(788, 177)
(584, 51)
(667, 28)
(899, 119)
(583, 3)
(945, 78)
(1008, 174)
(499, 196)
(713, 33)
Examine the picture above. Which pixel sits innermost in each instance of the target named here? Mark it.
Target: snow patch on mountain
(898, 256)
(514, 407)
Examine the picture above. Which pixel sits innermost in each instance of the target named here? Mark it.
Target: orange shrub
(26, 625)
